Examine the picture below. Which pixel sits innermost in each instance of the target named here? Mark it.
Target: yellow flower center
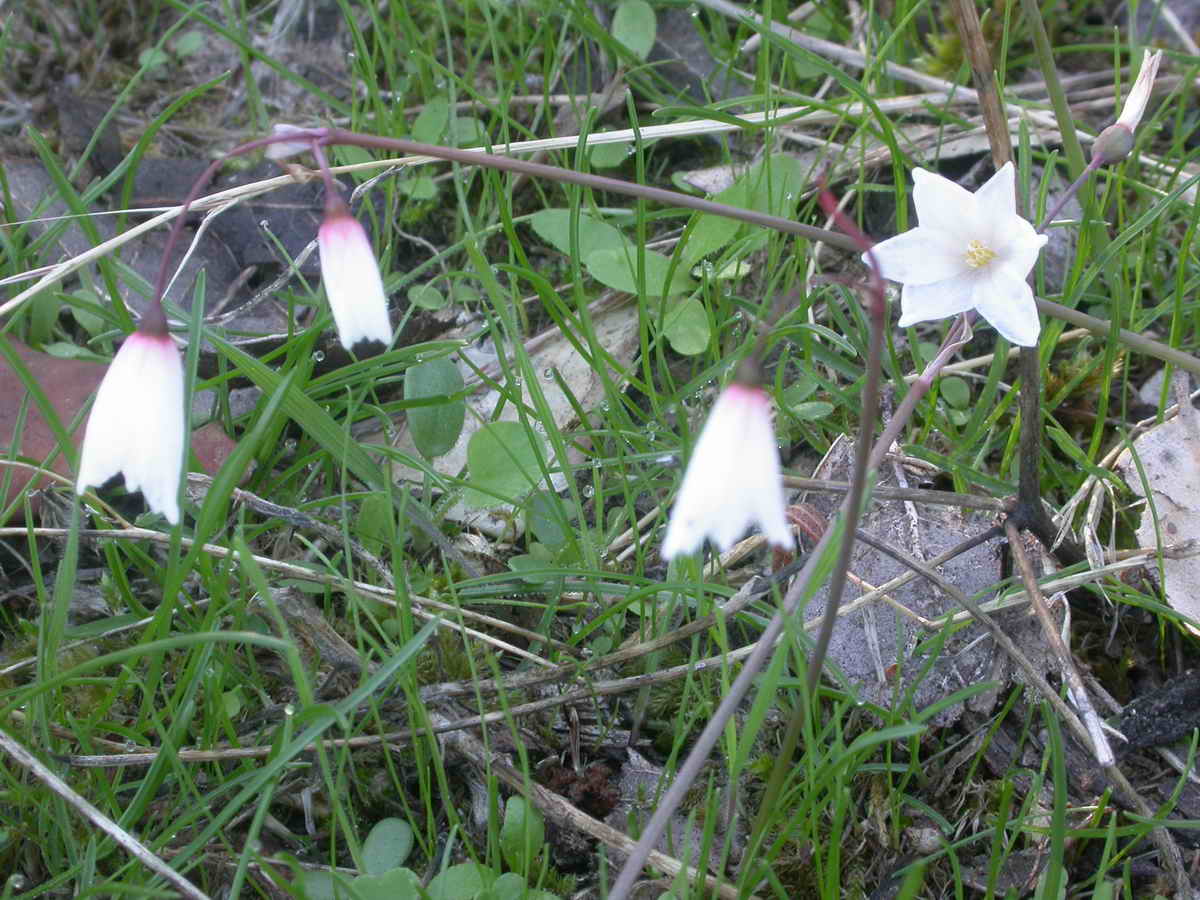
(978, 255)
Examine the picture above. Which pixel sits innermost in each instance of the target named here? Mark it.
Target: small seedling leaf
(432, 122)
(460, 882)
(419, 187)
(609, 156)
(634, 26)
(554, 227)
(687, 328)
(521, 834)
(815, 409)
(426, 296)
(617, 269)
(955, 391)
(435, 428)
(395, 884)
(387, 846)
(189, 42)
(502, 458)
(544, 518)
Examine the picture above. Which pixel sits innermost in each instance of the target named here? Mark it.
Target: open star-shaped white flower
(733, 480)
(968, 251)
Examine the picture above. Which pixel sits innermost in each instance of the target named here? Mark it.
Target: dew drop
(319, 356)
(264, 224)
(289, 710)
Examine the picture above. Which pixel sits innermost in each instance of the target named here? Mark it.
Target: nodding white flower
(1115, 142)
(969, 251)
(351, 277)
(136, 424)
(283, 149)
(733, 480)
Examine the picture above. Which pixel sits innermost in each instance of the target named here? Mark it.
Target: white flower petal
(1006, 301)
(1021, 248)
(136, 424)
(998, 195)
(942, 204)
(920, 256)
(733, 479)
(284, 149)
(968, 249)
(925, 302)
(352, 281)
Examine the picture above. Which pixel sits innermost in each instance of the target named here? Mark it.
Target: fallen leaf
(881, 649)
(1163, 468)
(68, 385)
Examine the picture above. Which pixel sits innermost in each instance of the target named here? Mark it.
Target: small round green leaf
(189, 42)
(418, 187)
(609, 156)
(426, 296)
(432, 122)
(467, 130)
(395, 884)
(502, 459)
(686, 327)
(435, 427)
(617, 269)
(955, 391)
(634, 26)
(554, 227)
(814, 409)
(387, 846)
(521, 833)
(460, 882)
(544, 518)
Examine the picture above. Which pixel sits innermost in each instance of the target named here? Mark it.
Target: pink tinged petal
(136, 424)
(925, 302)
(1006, 301)
(284, 149)
(943, 205)
(997, 198)
(352, 282)
(1139, 95)
(920, 256)
(733, 480)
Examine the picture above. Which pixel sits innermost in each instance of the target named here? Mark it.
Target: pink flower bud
(351, 277)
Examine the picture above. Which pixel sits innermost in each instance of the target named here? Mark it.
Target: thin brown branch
(995, 121)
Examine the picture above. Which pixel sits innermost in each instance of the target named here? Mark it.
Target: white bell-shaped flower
(136, 425)
(351, 277)
(733, 480)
